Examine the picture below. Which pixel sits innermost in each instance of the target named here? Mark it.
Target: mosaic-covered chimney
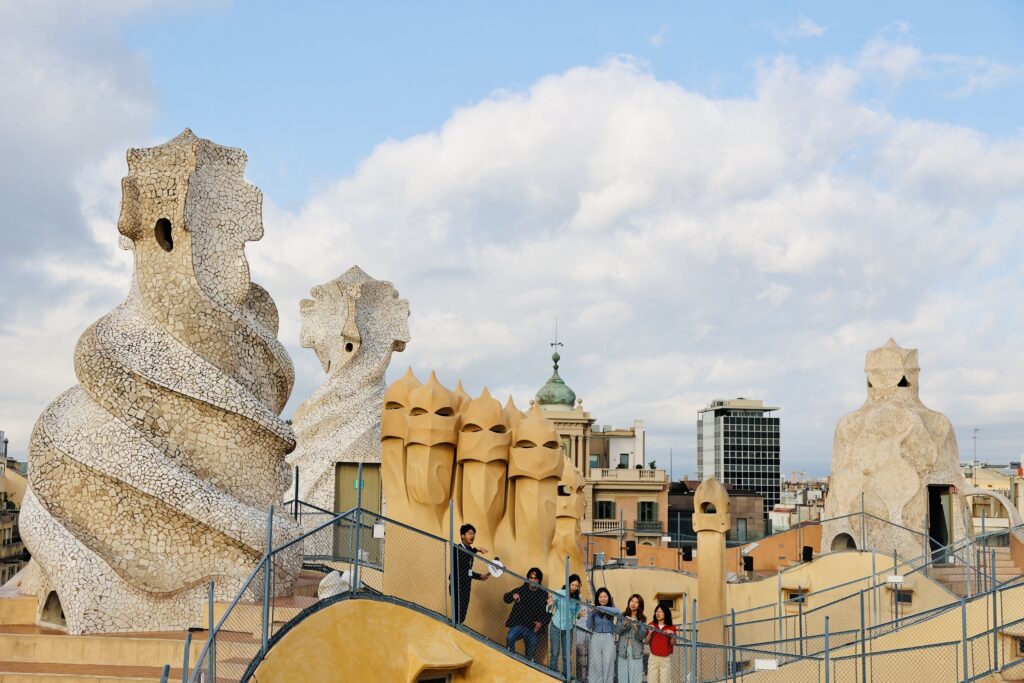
(153, 475)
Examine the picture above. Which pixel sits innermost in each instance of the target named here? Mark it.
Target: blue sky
(309, 91)
(716, 200)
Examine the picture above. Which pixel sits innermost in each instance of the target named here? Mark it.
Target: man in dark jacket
(528, 616)
(462, 560)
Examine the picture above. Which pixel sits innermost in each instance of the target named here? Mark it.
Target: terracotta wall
(770, 555)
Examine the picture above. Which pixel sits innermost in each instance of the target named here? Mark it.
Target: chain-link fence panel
(923, 664)
(235, 636)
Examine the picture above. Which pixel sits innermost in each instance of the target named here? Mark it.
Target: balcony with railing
(627, 475)
(641, 528)
(12, 549)
(647, 527)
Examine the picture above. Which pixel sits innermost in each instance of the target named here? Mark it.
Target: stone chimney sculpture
(711, 522)
(353, 323)
(903, 458)
(501, 470)
(153, 475)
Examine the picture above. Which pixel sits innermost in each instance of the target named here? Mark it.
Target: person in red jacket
(661, 637)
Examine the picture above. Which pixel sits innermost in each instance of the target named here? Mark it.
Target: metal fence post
(685, 621)
(995, 614)
(963, 637)
(359, 526)
(184, 664)
(895, 594)
(265, 626)
(800, 615)
(827, 666)
(799, 534)
(926, 556)
(776, 625)
(967, 552)
(778, 602)
(863, 536)
(454, 561)
(295, 502)
(863, 644)
(693, 641)
(874, 588)
(165, 673)
(211, 652)
(732, 655)
(567, 634)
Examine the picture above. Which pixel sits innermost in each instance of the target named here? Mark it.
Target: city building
(573, 424)
(800, 501)
(615, 448)
(622, 495)
(738, 443)
(748, 518)
(13, 473)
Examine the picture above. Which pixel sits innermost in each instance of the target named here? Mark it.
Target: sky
(713, 201)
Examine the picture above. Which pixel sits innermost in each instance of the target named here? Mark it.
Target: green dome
(555, 391)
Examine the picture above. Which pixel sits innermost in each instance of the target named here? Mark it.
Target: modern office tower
(738, 442)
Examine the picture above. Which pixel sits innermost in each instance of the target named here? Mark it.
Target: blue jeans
(556, 649)
(527, 635)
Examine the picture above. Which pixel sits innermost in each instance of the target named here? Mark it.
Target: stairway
(954, 576)
(33, 654)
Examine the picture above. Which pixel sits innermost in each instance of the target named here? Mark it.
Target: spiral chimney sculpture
(153, 475)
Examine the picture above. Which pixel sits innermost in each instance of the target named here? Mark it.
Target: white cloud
(693, 246)
(803, 28)
(657, 222)
(892, 55)
(73, 99)
(658, 38)
(775, 294)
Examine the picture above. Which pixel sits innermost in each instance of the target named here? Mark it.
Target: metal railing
(847, 632)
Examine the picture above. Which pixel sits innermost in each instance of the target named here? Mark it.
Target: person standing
(463, 574)
(563, 612)
(630, 631)
(601, 622)
(661, 636)
(528, 616)
(582, 646)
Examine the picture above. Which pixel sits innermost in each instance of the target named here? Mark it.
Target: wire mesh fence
(848, 632)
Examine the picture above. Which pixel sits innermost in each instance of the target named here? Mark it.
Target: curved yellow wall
(367, 640)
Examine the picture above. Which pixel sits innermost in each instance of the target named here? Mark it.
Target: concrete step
(45, 672)
(34, 644)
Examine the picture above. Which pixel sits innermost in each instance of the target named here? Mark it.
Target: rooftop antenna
(555, 344)
(974, 463)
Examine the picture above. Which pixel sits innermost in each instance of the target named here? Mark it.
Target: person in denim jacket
(564, 612)
(631, 634)
(601, 624)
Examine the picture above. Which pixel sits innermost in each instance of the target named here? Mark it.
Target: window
(604, 509)
(595, 462)
(624, 459)
(904, 597)
(741, 530)
(647, 511)
(794, 596)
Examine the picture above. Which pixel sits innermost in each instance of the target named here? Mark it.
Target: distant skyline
(715, 201)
